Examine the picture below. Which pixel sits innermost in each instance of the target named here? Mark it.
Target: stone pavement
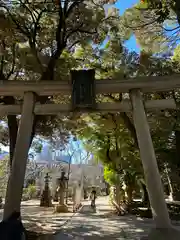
(40, 219)
(85, 225)
(89, 225)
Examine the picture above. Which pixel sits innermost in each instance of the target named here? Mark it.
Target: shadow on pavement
(95, 232)
(95, 226)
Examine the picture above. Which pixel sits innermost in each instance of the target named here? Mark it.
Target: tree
(165, 9)
(37, 38)
(109, 141)
(116, 181)
(154, 24)
(33, 172)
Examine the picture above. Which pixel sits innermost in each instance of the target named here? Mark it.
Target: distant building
(49, 157)
(45, 156)
(90, 175)
(55, 161)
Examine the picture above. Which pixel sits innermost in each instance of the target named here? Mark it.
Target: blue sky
(125, 4)
(122, 5)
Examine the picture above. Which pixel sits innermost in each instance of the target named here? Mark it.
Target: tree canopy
(37, 41)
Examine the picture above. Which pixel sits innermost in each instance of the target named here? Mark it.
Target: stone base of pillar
(163, 234)
(61, 208)
(46, 199)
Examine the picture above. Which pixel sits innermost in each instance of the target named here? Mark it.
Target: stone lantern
(46, 195)
(62, 182)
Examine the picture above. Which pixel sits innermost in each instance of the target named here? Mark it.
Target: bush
(29, 192)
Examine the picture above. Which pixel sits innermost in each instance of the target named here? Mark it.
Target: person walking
(93, 197)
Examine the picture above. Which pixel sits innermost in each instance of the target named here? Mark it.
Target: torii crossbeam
(45, 88)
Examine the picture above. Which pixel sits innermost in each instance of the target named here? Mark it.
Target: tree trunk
(69, 170)
(177, 136)
(61, 196)
(176, 181)
(13, 129)
(107, 188)
(129, 192)
(118, 195)
(170, 185)
(130, 127)
(129, 182)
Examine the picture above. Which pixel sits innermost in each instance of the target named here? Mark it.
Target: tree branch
(73, 31)
(2, 59)
(73, 44)
(130, 127)
(32, 40)
(128, 123)
(73, 5)
(108, 149)
(116, 135)
(24, 31)
(13, 61)
(60, 45)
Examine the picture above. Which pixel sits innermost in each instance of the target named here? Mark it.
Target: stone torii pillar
(16, 179)
(147, 153)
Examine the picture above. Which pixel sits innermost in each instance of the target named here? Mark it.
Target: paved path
(89, 225)
(42, 219)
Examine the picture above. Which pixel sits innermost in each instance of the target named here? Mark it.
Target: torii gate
(135, 87)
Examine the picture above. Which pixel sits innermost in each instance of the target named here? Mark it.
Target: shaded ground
(85, 225)
(40, 219)
(102, 224)
(139, 210)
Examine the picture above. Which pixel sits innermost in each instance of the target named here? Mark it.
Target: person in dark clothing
(93, 198)
(12, 228)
